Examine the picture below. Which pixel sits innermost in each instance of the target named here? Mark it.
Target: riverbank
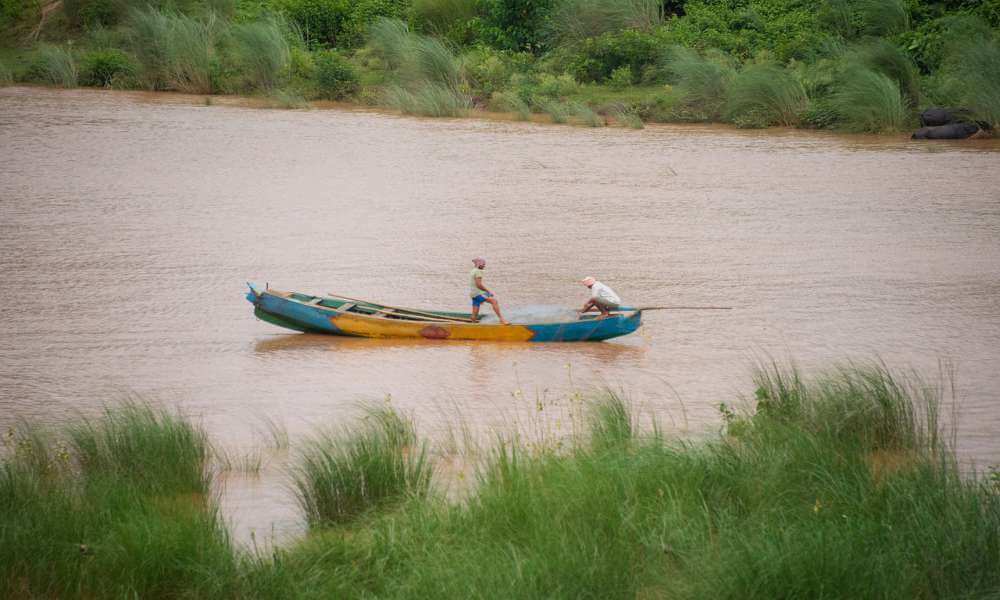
(842, 482)
(848, 66)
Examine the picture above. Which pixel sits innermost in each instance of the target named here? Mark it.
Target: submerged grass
(840, 485)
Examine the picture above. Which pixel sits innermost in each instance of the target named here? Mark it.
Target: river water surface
(130, 222)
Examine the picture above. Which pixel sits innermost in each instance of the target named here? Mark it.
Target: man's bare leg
(496, 308)
(475, 313)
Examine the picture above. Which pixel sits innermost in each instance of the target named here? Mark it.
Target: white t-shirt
(601, 292)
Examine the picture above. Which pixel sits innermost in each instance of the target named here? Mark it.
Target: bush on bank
(840, 485)
(621, 54)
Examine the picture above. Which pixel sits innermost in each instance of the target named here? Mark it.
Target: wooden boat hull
(315, 314)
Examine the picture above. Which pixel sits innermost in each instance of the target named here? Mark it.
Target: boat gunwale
(289, 296)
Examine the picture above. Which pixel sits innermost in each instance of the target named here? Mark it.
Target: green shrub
(868, 101)
(766, 95)
(446, 18)
(14, 13)
(335, 77)
(553, 86)
(54, 65)
(576, 20)
(585, 115)
(107, 68)
(595, 59)
(428, 100)
(489, 70)
(515, 25)
(558, 111)
(621, 78)
(339, 23)
(261, 53)
(512, 103)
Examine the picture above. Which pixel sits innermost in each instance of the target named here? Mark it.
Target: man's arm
(479, 284)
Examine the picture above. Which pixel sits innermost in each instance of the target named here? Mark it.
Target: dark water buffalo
(953, 131)
(934, 117)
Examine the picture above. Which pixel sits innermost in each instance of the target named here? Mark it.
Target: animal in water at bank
(935, 117)
(952, 131)
(479, 293)
(602, 298)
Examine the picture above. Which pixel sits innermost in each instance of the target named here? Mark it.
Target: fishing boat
(340, 315)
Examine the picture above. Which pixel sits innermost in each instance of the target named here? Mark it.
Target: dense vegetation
(838, 487)
(865, 65)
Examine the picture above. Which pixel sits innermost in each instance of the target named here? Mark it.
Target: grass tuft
(261, 52)
(55, 65)
(703, 82)
(973, 70)
(766, 95)
(150, 448)
(342, 477)
(867, 101)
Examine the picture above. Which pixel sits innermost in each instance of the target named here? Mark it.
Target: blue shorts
(478, 300)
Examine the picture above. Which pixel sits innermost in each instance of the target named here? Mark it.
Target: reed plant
(55, 65)
(883, 17)
(702, 81)
(177, 51)
(558, 111)
(261, 52)
(867, 101)
(972, 67)
(428, 75)
(343, 475)
(887, 58)
(766, 95)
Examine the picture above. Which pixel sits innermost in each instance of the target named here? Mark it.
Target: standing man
(479, 293)
(602, 297)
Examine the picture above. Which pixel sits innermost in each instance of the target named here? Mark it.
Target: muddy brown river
(130, 222)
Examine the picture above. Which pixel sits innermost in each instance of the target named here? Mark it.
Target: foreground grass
(841, 486)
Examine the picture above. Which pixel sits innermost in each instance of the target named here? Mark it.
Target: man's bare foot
(505, 322)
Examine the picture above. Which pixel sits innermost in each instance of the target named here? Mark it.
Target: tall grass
(840, 485)
(176, 51)
(973, 68)
(261, 52)
(886, 58)
(766, 95)
(575, 20)
(703, 82)
(114, 509)
(152, 449)
(343, 476)
(867, 101)
(511, 102)
(428, 75)
(883, 17)
(55, 65)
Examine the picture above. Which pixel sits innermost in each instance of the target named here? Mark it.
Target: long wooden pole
(404, 310)
(684, 308)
